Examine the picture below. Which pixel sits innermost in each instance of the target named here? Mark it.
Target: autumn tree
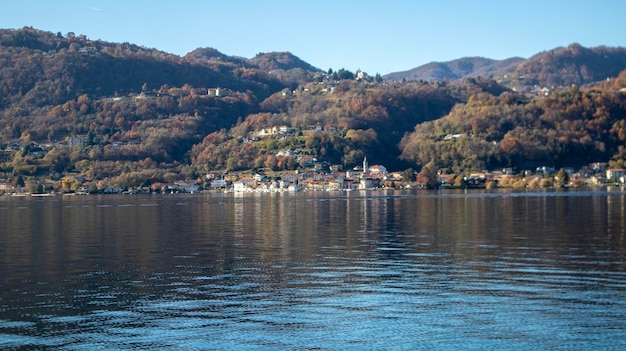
(427, 177)
(561, 178)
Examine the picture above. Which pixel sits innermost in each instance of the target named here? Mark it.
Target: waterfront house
(335, 184)
(6, 187)
(245, 182)
(292, 178)
(444, 179)
(365, 183)
(395, 176)
(218, 184)
(545, 170)
(111, 190)
(187, 187)
(614, 173)
(241, 186)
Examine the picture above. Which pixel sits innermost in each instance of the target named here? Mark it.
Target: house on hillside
(452, 137)
(217, 92)
(360, 75)
(378, 169)
(335, 168)
(76, 141)
(286, 152)
(87, 50)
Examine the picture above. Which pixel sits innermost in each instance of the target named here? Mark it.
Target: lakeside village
(313, 175)
(320, 176)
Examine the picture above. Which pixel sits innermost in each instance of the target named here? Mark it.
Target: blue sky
(375, 36)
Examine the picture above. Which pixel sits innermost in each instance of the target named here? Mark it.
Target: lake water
(456, 270)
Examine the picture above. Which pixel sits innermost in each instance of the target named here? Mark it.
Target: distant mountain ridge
(467, 67)
(574, 64)
(265, 61)
(211, 54)
(280, 60)
(561, 66)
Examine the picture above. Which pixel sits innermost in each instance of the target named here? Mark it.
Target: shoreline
(601, 188)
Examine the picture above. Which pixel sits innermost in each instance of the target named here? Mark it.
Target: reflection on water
(360, 270)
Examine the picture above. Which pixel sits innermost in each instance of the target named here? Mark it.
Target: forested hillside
(41, 68)
(116, 113)
(570, 127)
(339, 124)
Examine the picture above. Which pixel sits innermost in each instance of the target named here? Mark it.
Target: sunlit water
(317, 271)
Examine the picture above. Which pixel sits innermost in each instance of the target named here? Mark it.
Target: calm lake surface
(377, 270)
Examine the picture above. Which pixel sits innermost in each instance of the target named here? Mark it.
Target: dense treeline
(127, 115)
